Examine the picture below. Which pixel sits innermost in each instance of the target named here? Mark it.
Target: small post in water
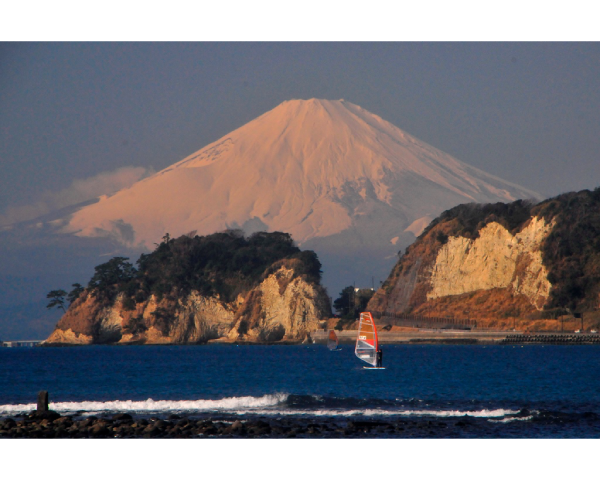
(42, 404)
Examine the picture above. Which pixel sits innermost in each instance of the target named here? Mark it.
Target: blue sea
(489, 391)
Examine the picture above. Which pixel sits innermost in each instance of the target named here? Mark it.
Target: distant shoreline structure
(442, 336)
(420, 337)
(20, 343)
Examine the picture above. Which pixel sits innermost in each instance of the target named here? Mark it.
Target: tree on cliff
(112, 277)
(224, 264)
(74, 294)
(57, 299)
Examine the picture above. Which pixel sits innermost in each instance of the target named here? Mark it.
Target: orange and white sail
(366, 341)
(332, 341)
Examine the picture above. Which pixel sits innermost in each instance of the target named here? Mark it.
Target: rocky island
(196, 289)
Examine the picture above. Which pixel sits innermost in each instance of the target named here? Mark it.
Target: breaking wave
(280, 404)
(230, 404)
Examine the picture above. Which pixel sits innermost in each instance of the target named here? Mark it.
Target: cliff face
(515, 260)
(496, 259)
(280, 308)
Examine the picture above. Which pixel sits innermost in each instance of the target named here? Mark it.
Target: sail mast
(367, 342)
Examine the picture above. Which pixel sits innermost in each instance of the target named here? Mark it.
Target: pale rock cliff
(496, 259)
(59, 336)
(289, 309)
(196, 319)
(474, 261)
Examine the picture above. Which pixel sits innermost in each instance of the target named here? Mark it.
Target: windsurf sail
(366, 341)
(332, 341)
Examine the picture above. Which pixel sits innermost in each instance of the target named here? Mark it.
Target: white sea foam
(230, 404)
(381, 412)
(265, 405)
(512, 419)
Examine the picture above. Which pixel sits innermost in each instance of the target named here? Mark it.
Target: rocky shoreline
(123, 425)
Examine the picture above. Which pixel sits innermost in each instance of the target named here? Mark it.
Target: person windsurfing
(379, 363)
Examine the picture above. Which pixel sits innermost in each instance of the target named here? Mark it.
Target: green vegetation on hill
(472, 217)
(224, 264)
(571, 252)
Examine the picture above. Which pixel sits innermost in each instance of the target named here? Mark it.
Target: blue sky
(94, 112)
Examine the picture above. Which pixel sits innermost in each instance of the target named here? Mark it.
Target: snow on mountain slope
(307, 167)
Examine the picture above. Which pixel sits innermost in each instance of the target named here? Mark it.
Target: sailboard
(332, 342)
(367, 343)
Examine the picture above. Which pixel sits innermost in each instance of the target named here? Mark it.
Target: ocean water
(530, 391)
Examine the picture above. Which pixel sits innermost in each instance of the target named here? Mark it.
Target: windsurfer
(379, 359)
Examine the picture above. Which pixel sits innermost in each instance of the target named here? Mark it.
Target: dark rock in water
(44, 415)
(174, 416)
(182, 423)
(122, 416)
(99, 430)
(63, 421)
(36, 426)
(237, 425)
(85, 423)
(365, 424)
(42, 402)
(151, 431)
(258, 428)
(237, 428)
(211, 430)
(9, 423)
(124, 430)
